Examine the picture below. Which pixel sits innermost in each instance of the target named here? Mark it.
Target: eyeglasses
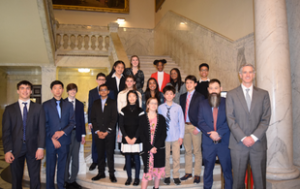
(153, 103)
(203, 70)
(103, 90)
(101, 79)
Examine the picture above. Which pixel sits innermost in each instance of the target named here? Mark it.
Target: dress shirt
(250, 94)
(160, 78)
(117, 79)
(74, 105)
(176, 124)
(22, 105)
(187, 115)
(200, 80)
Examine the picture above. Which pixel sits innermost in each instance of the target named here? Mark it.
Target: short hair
(100, 75)
(56, 82)
(169, 88)
(214, 81)
(72, 86)
(24, 82)
(103, 85)
(204, 64)
(244, 65)
(191, 77)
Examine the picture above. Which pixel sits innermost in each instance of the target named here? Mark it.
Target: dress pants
(74, 156)
(52, 156)
(94, 147)
(192, 142)
(17, 169)
(175, 157)
(106, 145)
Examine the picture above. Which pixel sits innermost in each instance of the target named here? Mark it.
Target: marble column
(49, 74)
(274, 75)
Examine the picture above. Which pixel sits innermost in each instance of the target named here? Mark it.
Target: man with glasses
(204, 80)
(94, 95)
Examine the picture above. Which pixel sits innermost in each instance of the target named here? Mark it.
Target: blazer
(244, 123)
(104, 120)
(12, 129)
(79, 119)
(165, 81)
(160, 136)
(206, 123)
(94, 95)
(194, 106)
(53, 123)
(112, 85)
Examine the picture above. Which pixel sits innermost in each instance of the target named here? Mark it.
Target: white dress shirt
(200, 80)
(74, 105)
(160, 78)
(22, 105)
(117, 79)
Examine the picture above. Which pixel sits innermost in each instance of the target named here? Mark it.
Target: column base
(282, 174)
(275, 184)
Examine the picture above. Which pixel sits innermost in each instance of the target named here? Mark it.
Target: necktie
(168, 119)
(248, 99)
(58, 108)
(187, 104)
(24, 120)
(215, 116)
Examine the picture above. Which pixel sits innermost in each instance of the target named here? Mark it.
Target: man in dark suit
(215, 135)
(94, 95)
(77, 137)
(60, 122)
(189, 103)
(104, 116)
(204, 80)
(23, 129)
(248, 114)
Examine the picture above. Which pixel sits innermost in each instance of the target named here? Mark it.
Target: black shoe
(167, 181)
(128, 181)
(186, 177)
(136, 182)
(66, 185)
(93, 166)
(177, 181)
(99, 176)
(75, 185)
(197, 179)
(112, 178)
(155, 188)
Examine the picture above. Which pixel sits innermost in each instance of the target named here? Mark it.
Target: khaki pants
(190, 142)
(175, 156)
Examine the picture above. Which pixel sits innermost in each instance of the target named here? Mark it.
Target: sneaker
(186, 177)
(177, 181)
(167, 181)
(197, 179)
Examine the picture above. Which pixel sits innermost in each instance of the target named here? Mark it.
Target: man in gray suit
(248, 114)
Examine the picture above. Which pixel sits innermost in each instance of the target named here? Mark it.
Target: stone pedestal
(273, 75)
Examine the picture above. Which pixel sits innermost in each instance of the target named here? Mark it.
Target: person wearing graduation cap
(161, 77)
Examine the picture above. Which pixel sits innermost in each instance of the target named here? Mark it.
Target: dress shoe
(197, 179)
(75, 185)
(99, 176)
(112, 178)
(66, 185)
(128, 181)
(93, 166)
(136, 182)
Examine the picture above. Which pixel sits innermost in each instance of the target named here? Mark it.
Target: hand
(100, 134)
(153, 150)
(39, 154)
(180, 141)
(195, 131)
(56, 143)
(133, 140)
(58, 134)
(128, 140)
(82, 140)
(214, 135)
(90, 126)
(104, 134)
(248, 141)
(9, 157)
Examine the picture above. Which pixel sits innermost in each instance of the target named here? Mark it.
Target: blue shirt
(176, 122)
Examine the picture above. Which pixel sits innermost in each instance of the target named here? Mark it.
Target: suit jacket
(206, 123)
(244, 123)
(104, 121)
(112, 85)
(54, 123)
(79, 120)
(166, 80)
(94, 95)
(194, 106)
(12, 129)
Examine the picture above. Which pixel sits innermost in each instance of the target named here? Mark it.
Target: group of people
(153, 124)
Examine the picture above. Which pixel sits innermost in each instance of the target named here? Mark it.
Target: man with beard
(215, 135)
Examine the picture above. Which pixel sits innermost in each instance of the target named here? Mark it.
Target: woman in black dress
(135, 71)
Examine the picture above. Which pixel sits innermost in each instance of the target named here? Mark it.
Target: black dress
(139, 78)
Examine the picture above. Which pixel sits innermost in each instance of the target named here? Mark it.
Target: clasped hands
(248, 141)
(55, 138)
(214, 136)
(102, 135)
(129, 140)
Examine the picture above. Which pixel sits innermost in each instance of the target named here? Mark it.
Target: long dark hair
(137, 105)
(113, 68)
(133, 78)
(179, 81)
(148, 92)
